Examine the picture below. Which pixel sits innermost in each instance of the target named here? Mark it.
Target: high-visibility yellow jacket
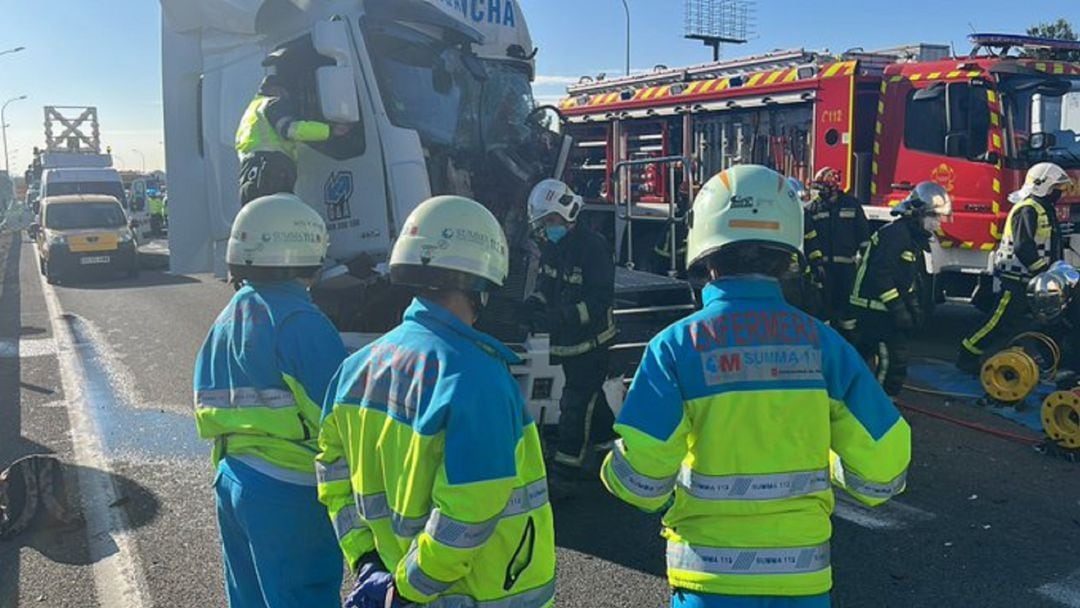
(268, 128)
(1030, 242)
(730, 421)
(429, 457)
(260, 378)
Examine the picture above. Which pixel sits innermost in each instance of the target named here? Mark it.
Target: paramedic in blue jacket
(743, 416)
(259, 380)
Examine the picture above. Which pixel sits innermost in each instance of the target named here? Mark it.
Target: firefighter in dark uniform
(1030, 243)
(573, 302)
(843, 232)
(266, 140)
(885, 298)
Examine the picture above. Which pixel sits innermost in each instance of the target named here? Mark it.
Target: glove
(374, 587)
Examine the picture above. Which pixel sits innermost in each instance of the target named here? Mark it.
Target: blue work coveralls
(259, 379)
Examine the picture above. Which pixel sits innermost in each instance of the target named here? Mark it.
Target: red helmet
(826, 182)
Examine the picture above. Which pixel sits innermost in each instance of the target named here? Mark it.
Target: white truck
(439, 94)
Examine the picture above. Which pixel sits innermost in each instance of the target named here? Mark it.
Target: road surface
(99, 373)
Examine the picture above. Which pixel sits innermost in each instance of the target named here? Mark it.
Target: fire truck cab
(886, 120)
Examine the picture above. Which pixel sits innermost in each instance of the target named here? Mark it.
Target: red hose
(975, 426)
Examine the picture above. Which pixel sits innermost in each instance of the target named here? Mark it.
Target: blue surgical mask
(555, 233)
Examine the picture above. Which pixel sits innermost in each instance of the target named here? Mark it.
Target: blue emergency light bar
(1007, 41)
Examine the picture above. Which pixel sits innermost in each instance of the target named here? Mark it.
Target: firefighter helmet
(744, 204)
(927, 198)
(1041, 181)
(277, 231)
(450, 242)
(1048, 293)
(553, 196)
(826, 183)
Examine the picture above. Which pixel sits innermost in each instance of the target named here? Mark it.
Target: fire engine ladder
(627, 212)
(630, 283)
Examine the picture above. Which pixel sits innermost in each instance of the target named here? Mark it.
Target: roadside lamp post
(3, 126)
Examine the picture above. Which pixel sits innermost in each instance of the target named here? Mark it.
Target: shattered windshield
(428, 86)
(1035, 109)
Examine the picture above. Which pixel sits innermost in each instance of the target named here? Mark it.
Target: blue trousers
(689, 599)
(279, 546)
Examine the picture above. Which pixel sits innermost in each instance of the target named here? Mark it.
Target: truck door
(344, 178)
(942, 132)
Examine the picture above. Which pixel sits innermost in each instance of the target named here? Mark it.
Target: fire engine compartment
(974, 125)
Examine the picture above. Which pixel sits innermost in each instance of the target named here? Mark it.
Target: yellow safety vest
(1006, 264)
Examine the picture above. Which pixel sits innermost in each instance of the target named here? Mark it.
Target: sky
(107, 53)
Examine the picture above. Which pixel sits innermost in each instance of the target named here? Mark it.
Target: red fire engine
(886, 120)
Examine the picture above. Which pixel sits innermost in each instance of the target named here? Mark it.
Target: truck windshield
(1049, 106)
(428, 86)
(113, 189)
(73, 216)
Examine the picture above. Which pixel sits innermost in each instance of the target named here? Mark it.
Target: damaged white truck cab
(439, 100)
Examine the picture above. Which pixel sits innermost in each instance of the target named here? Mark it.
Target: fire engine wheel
(1061, 418)
(1010, 376)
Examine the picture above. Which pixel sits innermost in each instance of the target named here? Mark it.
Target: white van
(93, 180)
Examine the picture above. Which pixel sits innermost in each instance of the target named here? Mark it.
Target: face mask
(931, 224)
(555, 233)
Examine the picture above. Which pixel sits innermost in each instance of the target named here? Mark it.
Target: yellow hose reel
(1010, 375)
(1061, 418)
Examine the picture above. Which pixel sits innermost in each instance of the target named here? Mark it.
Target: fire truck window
(969, 118)
(924, 124)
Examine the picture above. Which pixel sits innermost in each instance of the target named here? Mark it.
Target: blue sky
(107, 52)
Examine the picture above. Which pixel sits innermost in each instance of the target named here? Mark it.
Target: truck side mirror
(338, 99)
(336, 84)
(1041, 141)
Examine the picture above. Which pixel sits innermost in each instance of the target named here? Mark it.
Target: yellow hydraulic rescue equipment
(1012, 374)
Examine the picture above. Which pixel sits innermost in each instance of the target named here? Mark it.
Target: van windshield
(1030, 110)
(73, 216)
(113, 189)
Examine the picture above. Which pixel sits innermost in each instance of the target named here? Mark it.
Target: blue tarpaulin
(937, 376)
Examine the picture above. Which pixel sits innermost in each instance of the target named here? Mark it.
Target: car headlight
(57, 239)
(125, 236)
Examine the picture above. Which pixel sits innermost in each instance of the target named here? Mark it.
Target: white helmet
(746, 203)
(450, 242)
(277, 231)
(552, 196)
(1041, 180)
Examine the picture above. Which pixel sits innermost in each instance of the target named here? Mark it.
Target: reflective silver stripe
(346, 520)
(407, 527)
(335, 471)
(583, 313)
(875, 490)
(840, 259)
(640, 485)
(273, 398)
(534, 598)
(296, 478)
(753, 487)
(372, 506)
(461, 535)
(458, 534)
(419, 579)
(715, 560)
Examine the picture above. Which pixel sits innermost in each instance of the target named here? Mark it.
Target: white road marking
(892, 515)
(24, 348)
(1065, 592)
(118, 575)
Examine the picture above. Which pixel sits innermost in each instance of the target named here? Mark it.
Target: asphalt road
(985, 522)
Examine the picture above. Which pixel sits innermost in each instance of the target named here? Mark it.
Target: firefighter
(266, 140)
(573, 302)
(1031, 242)
(814, 294)
(843, 232)
(885, 298)
(259, 379)
(430, 465)
(730, 420)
